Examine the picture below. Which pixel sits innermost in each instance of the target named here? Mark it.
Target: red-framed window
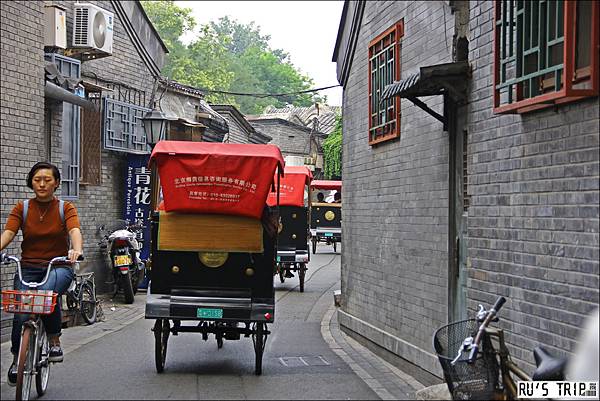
(384, 68)
(545, 53)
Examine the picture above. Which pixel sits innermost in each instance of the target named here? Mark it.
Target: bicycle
(487, 372)
(81, 296)
(33, 358)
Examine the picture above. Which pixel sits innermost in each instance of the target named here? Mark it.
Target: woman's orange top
(45, 237)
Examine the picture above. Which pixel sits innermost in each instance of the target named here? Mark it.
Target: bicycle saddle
(548, 367)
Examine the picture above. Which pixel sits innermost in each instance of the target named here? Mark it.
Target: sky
(306, 30)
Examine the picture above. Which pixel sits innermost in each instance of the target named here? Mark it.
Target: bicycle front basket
(29, 301)
(476, 381)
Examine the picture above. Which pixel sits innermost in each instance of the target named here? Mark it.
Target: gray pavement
(385, 380)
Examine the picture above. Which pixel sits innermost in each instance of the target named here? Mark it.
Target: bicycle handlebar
(489, 317)
(6, 259)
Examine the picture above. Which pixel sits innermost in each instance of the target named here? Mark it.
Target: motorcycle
(123, 250)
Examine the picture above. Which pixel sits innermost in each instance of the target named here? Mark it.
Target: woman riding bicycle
(46, 234)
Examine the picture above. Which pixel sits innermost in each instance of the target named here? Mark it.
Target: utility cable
(263, 95)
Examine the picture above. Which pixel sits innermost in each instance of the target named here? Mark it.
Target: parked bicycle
(476, 361)
(81, 296)
(33, 358)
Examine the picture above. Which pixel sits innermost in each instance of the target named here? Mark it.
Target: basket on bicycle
(29, 301)
(476, 381)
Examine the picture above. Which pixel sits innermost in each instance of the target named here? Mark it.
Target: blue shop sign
(137, 200)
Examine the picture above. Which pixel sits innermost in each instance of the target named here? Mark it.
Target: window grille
(91, 145)
(384, 68)
(544, 53)
(123, 129)
(71, 125)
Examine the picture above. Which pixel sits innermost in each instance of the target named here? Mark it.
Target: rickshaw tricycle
(213, 243)
(292, 238)
(326, 213)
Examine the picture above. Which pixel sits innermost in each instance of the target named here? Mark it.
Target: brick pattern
(533, 182)
(23, 122)
(21, 117)
(291, 140)
(395, 196)
(533, 222)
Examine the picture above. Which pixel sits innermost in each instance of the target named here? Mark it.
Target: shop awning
(432, 80)
(442, 79)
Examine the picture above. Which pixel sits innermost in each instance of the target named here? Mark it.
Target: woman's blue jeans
(59, 280)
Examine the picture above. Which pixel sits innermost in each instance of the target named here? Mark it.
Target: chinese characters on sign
(216, 181)
(137, 198)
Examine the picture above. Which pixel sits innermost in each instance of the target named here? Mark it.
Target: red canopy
(291, 186)
(326, 184)
(221, 178)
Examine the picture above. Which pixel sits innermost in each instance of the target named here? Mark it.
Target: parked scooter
(123, 251)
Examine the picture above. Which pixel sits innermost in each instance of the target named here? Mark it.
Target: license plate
(329, 234)
(122, 260)
(209, 313)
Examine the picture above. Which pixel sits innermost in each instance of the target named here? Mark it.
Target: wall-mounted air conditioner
(93, 28)
(55, 26)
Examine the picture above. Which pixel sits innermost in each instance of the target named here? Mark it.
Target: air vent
(81, 26)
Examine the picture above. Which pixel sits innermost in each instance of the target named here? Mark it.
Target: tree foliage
(332, 152)
(226, 55)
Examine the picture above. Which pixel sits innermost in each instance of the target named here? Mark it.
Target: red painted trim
(570, 21)
(566, 94)
(496, 81)
(595, 46)
(398, 27)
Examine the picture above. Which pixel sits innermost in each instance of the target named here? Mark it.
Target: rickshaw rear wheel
(161, 330)
(301, 275)
(314, 245)
(259, 338)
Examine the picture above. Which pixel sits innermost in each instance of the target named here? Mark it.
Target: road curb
(336, 343)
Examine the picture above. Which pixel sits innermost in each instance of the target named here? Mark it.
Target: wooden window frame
(570, 77)
(398, 30)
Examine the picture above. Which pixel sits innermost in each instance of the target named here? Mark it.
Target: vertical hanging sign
(137, 201)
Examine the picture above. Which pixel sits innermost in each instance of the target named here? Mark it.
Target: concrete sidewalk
(116, 315)
(386, 380)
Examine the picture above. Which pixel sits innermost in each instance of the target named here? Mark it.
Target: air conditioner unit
(55, 26)
(93, 28)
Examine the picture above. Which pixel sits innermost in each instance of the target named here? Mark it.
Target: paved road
(306, 357)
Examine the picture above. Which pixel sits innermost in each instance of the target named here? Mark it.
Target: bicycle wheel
(162, 329)
(87, 302)
(259, 339)
(43, 366)
(25, 364)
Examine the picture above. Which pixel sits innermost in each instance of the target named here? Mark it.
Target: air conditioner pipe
(56, 92)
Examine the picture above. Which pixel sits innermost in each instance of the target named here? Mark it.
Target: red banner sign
(199, 177)
(291, 186)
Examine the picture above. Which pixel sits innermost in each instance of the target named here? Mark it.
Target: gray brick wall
(533, 222)
(21, 113)
(291, 139)
(533, 182)
(24, 121)
(104, 203)
(395, 198)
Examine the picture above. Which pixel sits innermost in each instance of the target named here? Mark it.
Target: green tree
(332, 152)
(228, 56)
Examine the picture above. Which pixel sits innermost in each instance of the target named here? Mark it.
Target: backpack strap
(25, 211)
(61, 212)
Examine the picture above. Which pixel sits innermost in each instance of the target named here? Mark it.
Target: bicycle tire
(43, 374)
(87, 303)
(24, 364)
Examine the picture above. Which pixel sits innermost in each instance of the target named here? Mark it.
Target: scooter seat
(549, 368)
